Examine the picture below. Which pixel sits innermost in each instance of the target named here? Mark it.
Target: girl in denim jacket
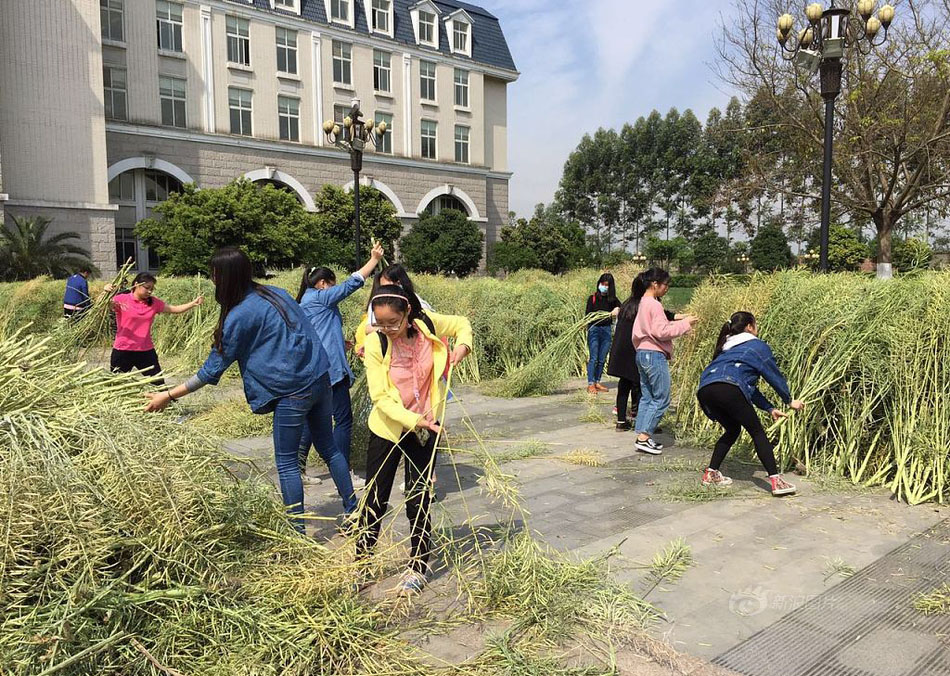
(728, 388)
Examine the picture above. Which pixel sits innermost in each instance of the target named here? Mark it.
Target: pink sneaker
(713, 477)
(780, 486)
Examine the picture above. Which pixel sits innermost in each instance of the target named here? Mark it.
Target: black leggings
(145, 361)
(627, 389)
(726, 404)
(382, 461)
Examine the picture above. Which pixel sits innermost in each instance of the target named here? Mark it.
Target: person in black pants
(382, 462)
(728, 388)
(623, 363)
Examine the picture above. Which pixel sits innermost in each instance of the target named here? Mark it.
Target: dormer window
(427, 27)
(289, 5)
(458, 28)
(425, 23)
(340, 11)
(379, 16)
(460, 37)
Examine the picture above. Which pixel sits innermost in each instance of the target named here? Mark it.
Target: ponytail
(638, 288)
(737, 324)
(313, 275)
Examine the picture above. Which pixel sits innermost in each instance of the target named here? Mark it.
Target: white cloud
(599, 63)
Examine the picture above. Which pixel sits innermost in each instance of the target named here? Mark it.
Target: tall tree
(892, 143)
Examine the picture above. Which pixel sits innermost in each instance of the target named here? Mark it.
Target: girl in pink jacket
(653, 335)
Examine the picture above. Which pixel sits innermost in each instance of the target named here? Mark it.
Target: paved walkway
(777, 586)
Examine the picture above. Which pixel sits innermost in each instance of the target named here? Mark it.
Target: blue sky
(598, 63)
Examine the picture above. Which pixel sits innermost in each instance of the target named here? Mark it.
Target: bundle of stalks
(513, 320)
(551, 365)
(869, 358)
(131, 547)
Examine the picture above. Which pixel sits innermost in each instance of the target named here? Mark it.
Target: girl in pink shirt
(653, 334)
(134, 313)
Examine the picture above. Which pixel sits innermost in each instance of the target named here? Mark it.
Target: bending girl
(728, 388)
(284, 368)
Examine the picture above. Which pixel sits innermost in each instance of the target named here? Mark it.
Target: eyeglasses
(389, 328)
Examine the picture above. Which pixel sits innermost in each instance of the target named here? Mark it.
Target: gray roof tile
(488, 41)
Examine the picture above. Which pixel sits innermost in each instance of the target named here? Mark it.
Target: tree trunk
(884, 222)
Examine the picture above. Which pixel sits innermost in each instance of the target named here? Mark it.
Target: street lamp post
(354, 140)
(821, 46)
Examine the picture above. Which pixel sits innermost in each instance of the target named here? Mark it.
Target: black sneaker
(649, 446)
(624, 426)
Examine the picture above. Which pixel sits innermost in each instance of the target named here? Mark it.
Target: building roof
(489, 46)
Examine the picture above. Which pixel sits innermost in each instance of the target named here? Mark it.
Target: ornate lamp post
(354, 140)
(639, 259)
(744, 259)
(821, 46)
(810, 256)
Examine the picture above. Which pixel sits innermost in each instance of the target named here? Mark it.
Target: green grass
(677, 298)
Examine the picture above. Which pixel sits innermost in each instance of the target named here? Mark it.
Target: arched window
(137, 192)
(443, 202)
(279, 185)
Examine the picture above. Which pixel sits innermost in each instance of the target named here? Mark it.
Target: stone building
(106, 106)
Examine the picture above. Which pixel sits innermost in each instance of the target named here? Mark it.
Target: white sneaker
(649, 446)
(410, 583)
(357, 481)
(310, 480)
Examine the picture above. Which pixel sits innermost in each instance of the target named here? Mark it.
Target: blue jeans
(342, 422)
(655, 386)
(598, 343)
(310, 408)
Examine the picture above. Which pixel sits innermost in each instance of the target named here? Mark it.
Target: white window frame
(371, 13)
(110, 91)
(435, 81)
(290, 114)
(430, 8)
(379, 68)
(289, 5)
(423, 137)
(390, 129)
(236, 23)
(459, 18)
(345, 47)
(288, 34)
(463, 88)
(177, 30)
(349, 20)
(241, 108)
(174, 97)
(467, 141)
(107, 8)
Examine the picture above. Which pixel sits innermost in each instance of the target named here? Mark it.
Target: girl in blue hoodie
(728, 388)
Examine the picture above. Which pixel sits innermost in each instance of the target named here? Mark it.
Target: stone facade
(82, 106)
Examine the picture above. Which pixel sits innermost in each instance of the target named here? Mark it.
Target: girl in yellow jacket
(405, 360)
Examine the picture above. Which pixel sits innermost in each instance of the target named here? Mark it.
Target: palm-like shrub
(26, 252)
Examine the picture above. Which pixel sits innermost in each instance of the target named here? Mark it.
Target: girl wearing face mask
(598, 333)
(405, 359)
(319, 298)
(134, 313)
